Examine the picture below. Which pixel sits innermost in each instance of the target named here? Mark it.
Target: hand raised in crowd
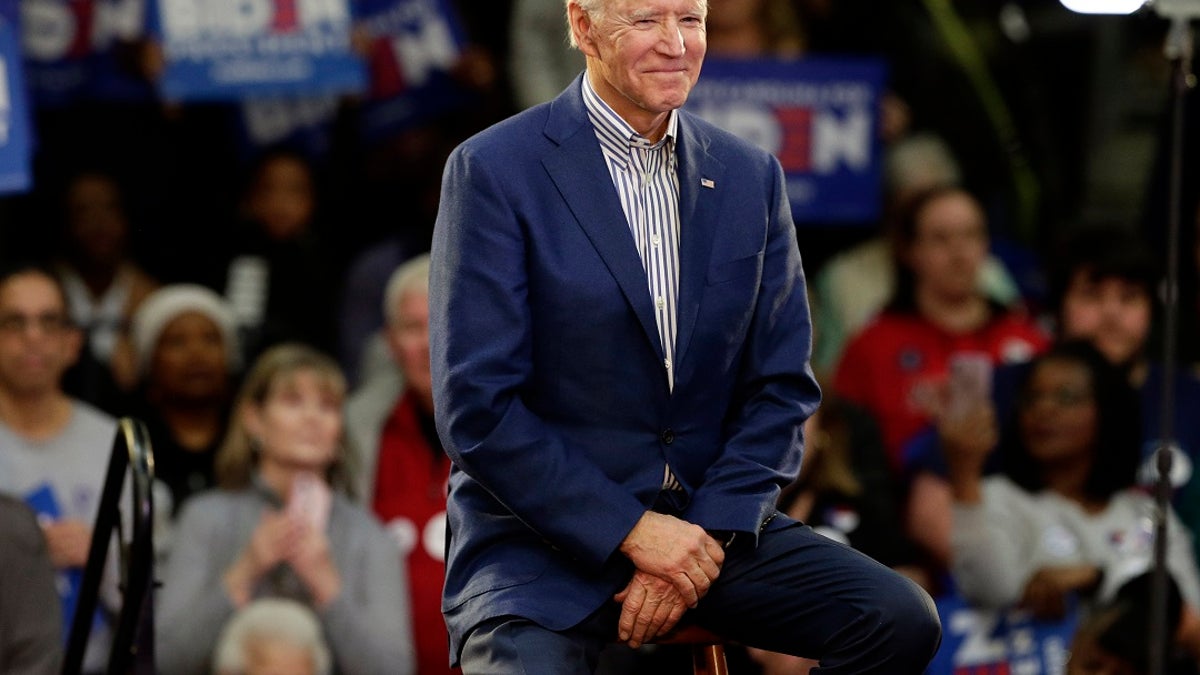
(1048, 589)
(676, 551)
(967, 437)
(281, 537)
(650, 606)
(68, 542)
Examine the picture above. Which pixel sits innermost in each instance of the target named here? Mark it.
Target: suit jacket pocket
(733, 269)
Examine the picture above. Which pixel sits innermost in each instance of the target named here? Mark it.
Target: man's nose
(672, 43)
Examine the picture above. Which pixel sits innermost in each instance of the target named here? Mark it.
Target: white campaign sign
(841, 140)
(191, 19)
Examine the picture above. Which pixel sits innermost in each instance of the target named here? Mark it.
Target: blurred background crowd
(988, 346)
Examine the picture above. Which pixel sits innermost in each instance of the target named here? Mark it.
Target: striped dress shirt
(647, 183)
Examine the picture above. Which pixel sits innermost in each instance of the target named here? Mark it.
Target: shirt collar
(614, 131)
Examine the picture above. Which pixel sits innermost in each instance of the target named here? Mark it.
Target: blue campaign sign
(413, 46)
(819, 116)
(1000, 642)
(16, 145)
(70, 50)
(235, 49)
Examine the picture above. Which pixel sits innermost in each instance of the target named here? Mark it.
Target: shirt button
(655, 240)
(668, 436)
(661, 303)
(667, 363)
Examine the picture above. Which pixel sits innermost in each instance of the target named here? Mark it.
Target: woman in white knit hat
(187, 354)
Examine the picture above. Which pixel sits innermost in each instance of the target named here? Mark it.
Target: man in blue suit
(620, 342)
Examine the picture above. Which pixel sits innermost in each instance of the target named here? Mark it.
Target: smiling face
(1113, 313)
(1057, 415)
(644, 56)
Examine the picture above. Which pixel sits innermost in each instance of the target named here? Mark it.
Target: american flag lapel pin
(708, 183)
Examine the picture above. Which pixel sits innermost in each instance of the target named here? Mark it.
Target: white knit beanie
(167, 303)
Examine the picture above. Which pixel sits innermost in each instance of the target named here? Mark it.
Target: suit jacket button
(668, 436)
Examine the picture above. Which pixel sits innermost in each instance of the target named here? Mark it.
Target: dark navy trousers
(796, 592)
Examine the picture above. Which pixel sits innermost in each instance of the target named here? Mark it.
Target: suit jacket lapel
(698, 204)
(578, 170)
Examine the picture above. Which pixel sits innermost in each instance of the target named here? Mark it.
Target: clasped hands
(676, 563)
(280, 537)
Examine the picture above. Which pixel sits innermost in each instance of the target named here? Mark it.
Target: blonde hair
(238, 454)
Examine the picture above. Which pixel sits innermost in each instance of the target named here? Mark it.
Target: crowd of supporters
(988, 346)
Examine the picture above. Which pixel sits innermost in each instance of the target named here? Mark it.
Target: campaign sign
(413, 46)
(70, 50)
(979, 641)
(818, 116)
(235, 49)
(16, 145)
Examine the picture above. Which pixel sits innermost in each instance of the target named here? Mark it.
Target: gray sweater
(999, 544)
(367, 626)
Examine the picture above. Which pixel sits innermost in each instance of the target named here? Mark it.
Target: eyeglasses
(50, 322)
(1062, 397)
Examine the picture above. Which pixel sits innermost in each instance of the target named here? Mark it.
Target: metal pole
(1178, 50)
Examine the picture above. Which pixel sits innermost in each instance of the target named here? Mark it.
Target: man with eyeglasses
(53, 448)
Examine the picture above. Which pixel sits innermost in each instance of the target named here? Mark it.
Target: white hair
(412, 276)
(919, 162)
(272, 619)
(595, 9)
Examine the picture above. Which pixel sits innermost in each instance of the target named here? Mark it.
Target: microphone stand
(1178, 50)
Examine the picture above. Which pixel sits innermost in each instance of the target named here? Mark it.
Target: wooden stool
(708, 649)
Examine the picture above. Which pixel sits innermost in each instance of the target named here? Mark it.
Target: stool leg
(709, 660)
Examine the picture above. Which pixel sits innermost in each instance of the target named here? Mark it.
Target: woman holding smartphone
(1064, 518)
(281, 526)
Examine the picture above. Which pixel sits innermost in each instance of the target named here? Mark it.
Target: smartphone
(310, 501)
(969, 381)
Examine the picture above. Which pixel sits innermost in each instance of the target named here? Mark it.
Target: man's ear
(581, 29)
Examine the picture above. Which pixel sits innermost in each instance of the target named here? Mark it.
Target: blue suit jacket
(550, 389)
